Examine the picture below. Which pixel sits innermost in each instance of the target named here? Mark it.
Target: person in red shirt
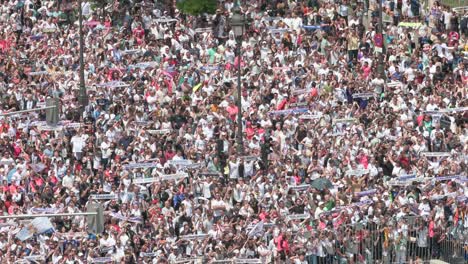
(139, 33)
(366, 70)
(169, 153)
(232, 110)
(282, 245)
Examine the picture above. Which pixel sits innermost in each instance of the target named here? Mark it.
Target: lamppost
(238, 24)
(82, 97)
(381, 64)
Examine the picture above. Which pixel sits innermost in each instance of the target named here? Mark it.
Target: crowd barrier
(405, 240)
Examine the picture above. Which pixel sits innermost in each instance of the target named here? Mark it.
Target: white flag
(257, 229)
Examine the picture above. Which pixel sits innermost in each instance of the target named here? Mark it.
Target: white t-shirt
(233, 169)
(105, 150)
(67, 181)
(206, 190)
(216, 203)
(78, 143)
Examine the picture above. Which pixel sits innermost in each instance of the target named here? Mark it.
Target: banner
(289, 111)
(50, 128)
(182, 162)
(210, 68)
(49, 30)
(102, 260)
(249, 158)
(145, 180)
(278, 30)
(35, 258)
(463, 179)
(350, 206)
(447, 178)
(159, 131)
(175, 176)
(297, 216)
(310, 117)
(193, 166)
(187, 260)
(344, 120)
(299, 104)
(299, 92)
(106, 249)
(364, 95)
(72, 125)
(433, 113)
(144, 65)
(166, 177)
(442, 196)
(194, 237)
(410, 24)
(113, 84)
(196, 87)
(143, 165)
(148, 254)
(37, 37)
(165, 20)
(265, 225)
(256, 230)
(311, 27)
(77, 235)
(406, 181)
(38, 73)
(457, 109)
(203, 30)
(38, 123)
(103, 196)
(386, 18)
(366, 193)
(37, 226)
(356, 172)
(130, 52)
(210, 173)
(44, 210)
(394, 84)
(436, 154)
(38, 167)
(132, 219)
(406, 177)
(141, 123)
(41, 104)
(299, 188)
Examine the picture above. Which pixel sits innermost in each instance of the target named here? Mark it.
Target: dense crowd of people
(354, 143)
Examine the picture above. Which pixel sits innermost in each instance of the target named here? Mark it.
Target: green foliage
(197, 7)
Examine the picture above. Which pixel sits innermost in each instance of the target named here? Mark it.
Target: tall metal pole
(47, 215)
(83, 97)
(240, 140)
(381, 65)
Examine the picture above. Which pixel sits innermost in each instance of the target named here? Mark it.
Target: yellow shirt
(353, 43)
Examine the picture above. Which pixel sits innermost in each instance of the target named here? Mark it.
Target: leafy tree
(197, 7)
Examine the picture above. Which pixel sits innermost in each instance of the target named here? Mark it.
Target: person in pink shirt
(366, 70)
(232, 110)
(139, 33)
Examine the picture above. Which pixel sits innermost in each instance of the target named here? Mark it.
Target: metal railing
(406, 240)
